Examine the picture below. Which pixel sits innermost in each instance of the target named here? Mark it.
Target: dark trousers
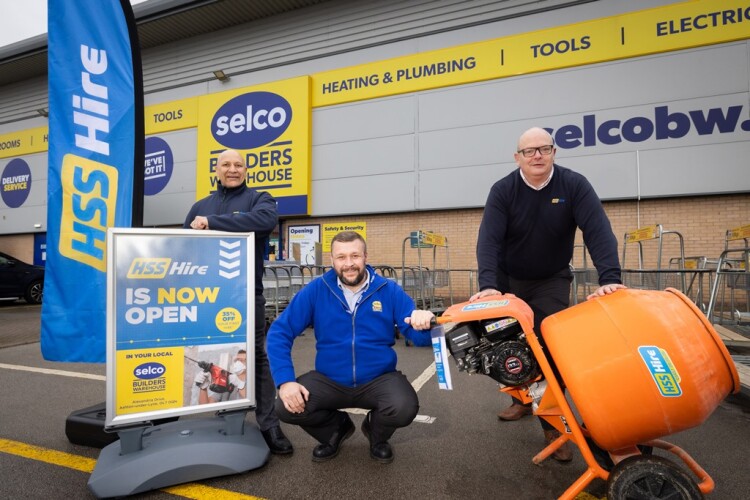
(545, 297)
(391, 398)
(265, 389)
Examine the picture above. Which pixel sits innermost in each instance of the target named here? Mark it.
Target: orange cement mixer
(637, 364)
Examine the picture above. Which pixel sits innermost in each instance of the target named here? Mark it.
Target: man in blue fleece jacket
(353, 311)
(527, 235)
(236, 208)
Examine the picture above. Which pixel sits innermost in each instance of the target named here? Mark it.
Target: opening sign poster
(180, 316)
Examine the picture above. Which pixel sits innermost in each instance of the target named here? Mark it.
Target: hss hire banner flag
(96, 158)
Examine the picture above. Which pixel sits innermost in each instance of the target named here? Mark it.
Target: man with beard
(234, 207)
(352, 311)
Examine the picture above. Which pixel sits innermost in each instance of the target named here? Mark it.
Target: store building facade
(391, 117)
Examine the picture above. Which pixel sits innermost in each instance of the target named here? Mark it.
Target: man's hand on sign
(199, 222)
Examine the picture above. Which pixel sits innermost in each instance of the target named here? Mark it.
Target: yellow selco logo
(88, 208)
(151, 268)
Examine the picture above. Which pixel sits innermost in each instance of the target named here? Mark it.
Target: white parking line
(417, 384)
(422, 379)
(48, 371)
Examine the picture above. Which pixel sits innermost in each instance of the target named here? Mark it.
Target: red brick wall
(702, 221)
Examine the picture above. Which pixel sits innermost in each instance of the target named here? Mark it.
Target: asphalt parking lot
(457, 450)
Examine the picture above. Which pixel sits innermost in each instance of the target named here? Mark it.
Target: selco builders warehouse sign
(270, 126)
(179, 323)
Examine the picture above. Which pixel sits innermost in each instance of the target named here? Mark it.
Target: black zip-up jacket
(240, 210)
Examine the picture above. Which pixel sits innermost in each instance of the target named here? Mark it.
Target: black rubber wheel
(648, 477)
(34, 291)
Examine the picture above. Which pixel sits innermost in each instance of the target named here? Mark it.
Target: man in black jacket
(527, 235)
(235, 207)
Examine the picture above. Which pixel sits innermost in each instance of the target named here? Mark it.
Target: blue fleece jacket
(352, 347)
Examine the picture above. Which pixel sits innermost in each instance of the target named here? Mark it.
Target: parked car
(19, 279)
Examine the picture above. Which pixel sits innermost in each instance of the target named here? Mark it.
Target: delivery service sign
(269, 125)
(178, 323)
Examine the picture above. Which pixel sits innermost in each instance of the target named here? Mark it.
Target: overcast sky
(22, 19)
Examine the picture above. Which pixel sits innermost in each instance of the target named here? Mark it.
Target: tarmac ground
(456, 449)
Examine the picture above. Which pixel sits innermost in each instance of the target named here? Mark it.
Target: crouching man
(352, 311)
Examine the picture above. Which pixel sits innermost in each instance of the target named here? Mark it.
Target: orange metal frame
(554, 407)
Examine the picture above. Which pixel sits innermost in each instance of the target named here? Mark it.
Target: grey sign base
(147, 458)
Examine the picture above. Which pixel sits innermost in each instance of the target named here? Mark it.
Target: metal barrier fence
(584, 282)
(424, 286)
(281, 281)
(730, 294)
(695, 283)
(431, 289)
(723, 294)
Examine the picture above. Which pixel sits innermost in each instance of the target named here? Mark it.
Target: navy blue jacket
(529, 234)
(240, 210)
(352, 348)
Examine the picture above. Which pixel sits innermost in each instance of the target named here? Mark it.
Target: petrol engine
(495, 347)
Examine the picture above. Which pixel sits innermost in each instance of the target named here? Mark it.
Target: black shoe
(327, 451)
(382, 452)
(277, 442)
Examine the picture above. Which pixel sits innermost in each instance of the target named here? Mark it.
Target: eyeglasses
(543, 150)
